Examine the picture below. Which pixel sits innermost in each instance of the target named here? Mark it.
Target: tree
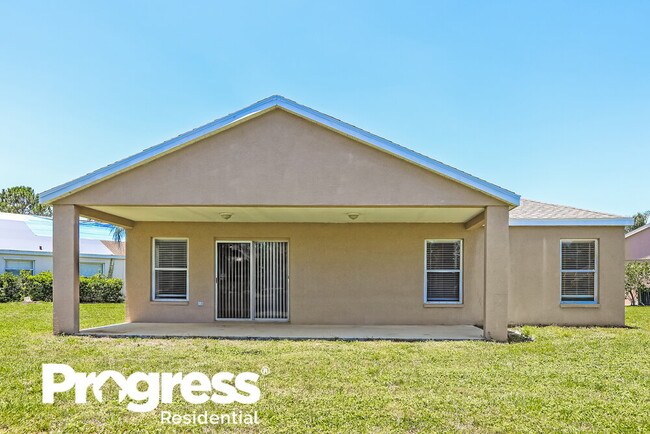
(22, 200)
(118, 233)
(640, 219)
(637, 280)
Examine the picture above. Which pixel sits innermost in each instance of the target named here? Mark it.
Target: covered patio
(281, 331)
(308, 229)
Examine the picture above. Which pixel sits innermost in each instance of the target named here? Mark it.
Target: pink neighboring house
(637, 244)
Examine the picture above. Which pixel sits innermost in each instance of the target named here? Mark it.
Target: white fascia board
(300, 110)
(623, 221)
(637, 230)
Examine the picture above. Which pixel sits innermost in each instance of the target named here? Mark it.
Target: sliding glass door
(252, 280)
(233, 280)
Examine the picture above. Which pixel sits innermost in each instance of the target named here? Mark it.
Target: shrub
(96, 289)
(100, 289)
(10, 288)
(38, 287)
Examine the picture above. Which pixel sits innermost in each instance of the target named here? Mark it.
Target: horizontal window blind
(578, 268)
(443, 271)
(578, 255)
(171, 253)
(443, 255)
(170, 269)
(443, 286)
(171, 283)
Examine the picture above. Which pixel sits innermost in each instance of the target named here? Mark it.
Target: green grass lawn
(567, 379)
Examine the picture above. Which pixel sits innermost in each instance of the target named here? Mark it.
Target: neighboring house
(26, 244)
(280, 213)
(637, 244)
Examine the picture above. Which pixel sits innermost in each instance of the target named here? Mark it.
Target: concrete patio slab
(275, 331)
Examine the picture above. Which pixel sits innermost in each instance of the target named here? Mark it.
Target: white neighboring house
(26, 244)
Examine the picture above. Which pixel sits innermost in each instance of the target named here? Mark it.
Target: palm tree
(118, 233)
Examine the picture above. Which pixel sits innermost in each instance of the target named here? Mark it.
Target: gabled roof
(25, 234)
(533, 213)
(260, 107)
(637, 230)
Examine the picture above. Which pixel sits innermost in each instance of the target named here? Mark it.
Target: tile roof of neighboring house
(23, 233)
(637, 230)
(115, 247)
(530, 210)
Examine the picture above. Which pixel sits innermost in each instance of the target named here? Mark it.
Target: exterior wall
(374, 273)
(535, 277)
(339, 273)
(44, 262)
(279, 159)
(637, 246)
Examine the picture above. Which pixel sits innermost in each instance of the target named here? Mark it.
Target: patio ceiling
(279, 214)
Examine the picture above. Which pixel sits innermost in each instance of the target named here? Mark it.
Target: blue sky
(548, 99)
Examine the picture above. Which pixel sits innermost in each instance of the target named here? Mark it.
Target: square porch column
(65, 242)
(497, 270)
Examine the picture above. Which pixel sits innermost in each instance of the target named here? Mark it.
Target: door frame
(252, 280)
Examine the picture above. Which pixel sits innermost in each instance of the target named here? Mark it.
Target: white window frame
(595, 271)
(459, 271)
(154, 269)
(33, 269)
(91, 263)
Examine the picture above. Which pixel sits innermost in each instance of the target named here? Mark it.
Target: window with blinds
(170, 269)
(89, 269)
(444, 271)
(15, 266)
(579, 262)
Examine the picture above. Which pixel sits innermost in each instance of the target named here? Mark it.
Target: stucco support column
(66, 269)
(497, 270)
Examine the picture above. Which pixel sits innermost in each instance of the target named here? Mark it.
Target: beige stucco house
(280, 213)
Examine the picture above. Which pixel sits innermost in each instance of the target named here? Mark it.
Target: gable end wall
(279, 159)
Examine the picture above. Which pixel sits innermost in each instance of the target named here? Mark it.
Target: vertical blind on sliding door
(234, 280)
(270, 280)
(252, 280)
